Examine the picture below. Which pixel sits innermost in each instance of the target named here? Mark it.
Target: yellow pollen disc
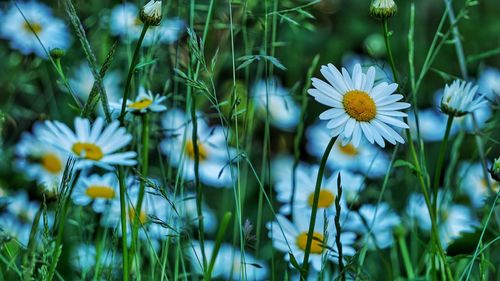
(35, 27)
(88, 150)
(201, 150)
(100, 191)
(51, 163)
(494, 185)
(141, 104)
(316, 245)
(143, 218)
(326, 199)
(348, 149)
(359, 105)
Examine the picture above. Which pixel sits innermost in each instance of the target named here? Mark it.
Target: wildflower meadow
(250, 140)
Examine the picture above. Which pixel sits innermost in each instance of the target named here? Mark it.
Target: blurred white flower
(459, 98)
(452, 219)
(51, 31)
(215, 153)
(82, 81)
(96, 189)
(83, 258)
(291, 237)
(156, 218)
(367, 159)
(432, 125)
(358, 107)
(186, 206)
(17, 219)
(284, 112)
(144, 102)
(489, 83)
(473, 183)
(304, 190)
(125, 23)
(94, 144)
(229, 264)
(381, 221)
(38, 161)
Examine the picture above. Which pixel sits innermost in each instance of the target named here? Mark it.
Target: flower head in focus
(358, 106)
(94, 144)
(151, 13)
(144, 102)
(459, 98)
(383, 9)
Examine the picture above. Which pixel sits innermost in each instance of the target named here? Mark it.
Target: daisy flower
(19, 215)
(92, 144)
(381, 221)
(82, 81)
(96, 189)
(305, 185)
(144, 102)
(40, 162)
(229, 264)
(489, 83)
(473, 183)
(284, 112)
(367, 159)
(40, 22)
(452, 219)
(459, 98)
(214, 151)
(383, 72)
(291, 237)
(155, 211)
(125, 23)
(359, 108)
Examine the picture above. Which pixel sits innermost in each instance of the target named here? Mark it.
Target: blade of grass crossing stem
(218, 241)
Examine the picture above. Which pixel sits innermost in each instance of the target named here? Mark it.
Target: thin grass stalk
(435, 234)
(130, 74)
(142, 186)
(406, 257)
(123, 220)
(312, 222)
(338, 229)
(456, 39)
(218, 241)
(61, 224)
(28, 258)
(440, 161)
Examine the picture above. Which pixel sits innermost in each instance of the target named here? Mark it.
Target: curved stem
(312, 222)
(130, 74)
(440, 161)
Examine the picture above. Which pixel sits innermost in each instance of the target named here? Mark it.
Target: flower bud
(57, 53)
(383, 9)
(151, 13)
(495, 170)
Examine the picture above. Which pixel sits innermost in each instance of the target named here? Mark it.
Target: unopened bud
(57, 53)
(151, 13)
(495, 170)
(383, 9)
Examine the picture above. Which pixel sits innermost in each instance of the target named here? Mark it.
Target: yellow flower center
(494, 185)
(348, 149)
(35, 27)
(100, 191)
(316, 245)
(51, 163)
(326, 198)
(143, 217)
(144, 103)
(88, 150)
(202, 152)
(359, 105)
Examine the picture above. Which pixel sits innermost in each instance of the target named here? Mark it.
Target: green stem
(406, 257)
(312, 222)
(131, 71)
(432, 214)
(338, 228)
(61, 224)
(440, 161)
(123, 217)
(142, 186)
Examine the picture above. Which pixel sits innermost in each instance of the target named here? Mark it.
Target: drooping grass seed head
(383, 9)
(459, 98)
(151, 13)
